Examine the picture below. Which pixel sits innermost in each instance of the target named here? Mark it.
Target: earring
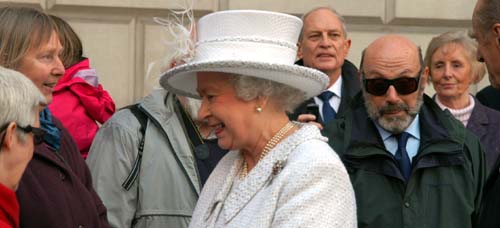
(258, 109)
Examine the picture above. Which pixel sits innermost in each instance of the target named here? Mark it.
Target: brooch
(277, 167)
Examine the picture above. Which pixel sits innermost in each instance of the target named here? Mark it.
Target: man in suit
(486, 30)
(323, 45)
(410, 163)
(489, 97)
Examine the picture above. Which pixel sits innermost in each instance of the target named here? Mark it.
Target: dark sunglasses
(379, 86)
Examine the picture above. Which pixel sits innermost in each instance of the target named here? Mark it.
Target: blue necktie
(402, 155)
(328, 111)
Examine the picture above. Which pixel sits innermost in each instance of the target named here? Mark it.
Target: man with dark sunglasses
(20, 101)
(411, 164)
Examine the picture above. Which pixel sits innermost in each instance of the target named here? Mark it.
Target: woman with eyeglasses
(56, 188)
(451, 59)
(20, 101)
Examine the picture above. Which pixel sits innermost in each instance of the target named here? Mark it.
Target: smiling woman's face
(43, 66)
(232, 118)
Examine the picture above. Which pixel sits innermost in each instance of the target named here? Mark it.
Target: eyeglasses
(38, 133)
(379, 86)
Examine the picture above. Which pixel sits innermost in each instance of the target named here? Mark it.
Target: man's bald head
(392, 47)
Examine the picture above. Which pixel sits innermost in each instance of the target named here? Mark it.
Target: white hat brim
(182, 79)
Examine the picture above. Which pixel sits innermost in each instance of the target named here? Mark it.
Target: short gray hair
(340, 17)
(20, 99)
(249, 88)
(470, 46)
(488, 14)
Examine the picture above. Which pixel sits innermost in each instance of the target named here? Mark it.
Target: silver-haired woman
(20, 102)
(451, 59)
(278, 173)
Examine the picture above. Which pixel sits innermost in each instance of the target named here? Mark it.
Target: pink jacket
(79, 101)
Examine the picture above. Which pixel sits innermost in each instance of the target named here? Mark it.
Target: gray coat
(167, 189)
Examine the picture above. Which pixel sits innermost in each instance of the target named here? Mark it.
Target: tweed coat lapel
(218, 201)
(263, 173)
(478, 121)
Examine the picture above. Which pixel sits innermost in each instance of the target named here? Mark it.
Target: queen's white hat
(255, 43)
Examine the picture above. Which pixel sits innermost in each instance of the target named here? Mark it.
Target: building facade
(126, 46)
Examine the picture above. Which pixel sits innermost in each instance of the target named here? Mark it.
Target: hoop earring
(258, 109)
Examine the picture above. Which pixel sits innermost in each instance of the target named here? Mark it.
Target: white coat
(300, 183)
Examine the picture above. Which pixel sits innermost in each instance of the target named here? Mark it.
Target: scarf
(52, 136)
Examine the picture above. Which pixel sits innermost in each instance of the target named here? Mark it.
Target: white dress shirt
(336, 88)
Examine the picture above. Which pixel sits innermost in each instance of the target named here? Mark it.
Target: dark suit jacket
(484, 122)
(489, 96)
(488, 216)
(350, 87)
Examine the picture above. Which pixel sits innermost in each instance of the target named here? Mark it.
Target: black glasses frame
(400, 84)
(3, 132)
(38, 133)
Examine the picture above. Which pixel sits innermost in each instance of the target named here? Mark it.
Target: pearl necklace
(268, 147)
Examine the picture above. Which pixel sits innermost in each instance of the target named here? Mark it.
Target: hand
(309, 118)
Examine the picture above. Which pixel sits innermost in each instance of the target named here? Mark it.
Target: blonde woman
(56, 188)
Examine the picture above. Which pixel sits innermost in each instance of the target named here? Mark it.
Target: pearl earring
(258, 109)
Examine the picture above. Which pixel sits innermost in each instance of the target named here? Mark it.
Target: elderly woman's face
(229, 116)
(43, 66)
(451, 71)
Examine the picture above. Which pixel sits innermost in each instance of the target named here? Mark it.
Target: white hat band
(245, 51)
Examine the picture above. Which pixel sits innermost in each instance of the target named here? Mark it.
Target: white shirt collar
(337, 87)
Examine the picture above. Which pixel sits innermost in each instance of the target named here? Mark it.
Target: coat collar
(160, 107)
(70, 72)
(262, 174)
(435, 126)
(478, 120)
(350, 87)
(441, 141)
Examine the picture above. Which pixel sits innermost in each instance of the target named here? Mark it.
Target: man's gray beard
(394, 125)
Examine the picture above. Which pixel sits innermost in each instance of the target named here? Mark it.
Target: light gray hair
(338, 15)
(285, 97)
(20, 99)
(470, 46)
